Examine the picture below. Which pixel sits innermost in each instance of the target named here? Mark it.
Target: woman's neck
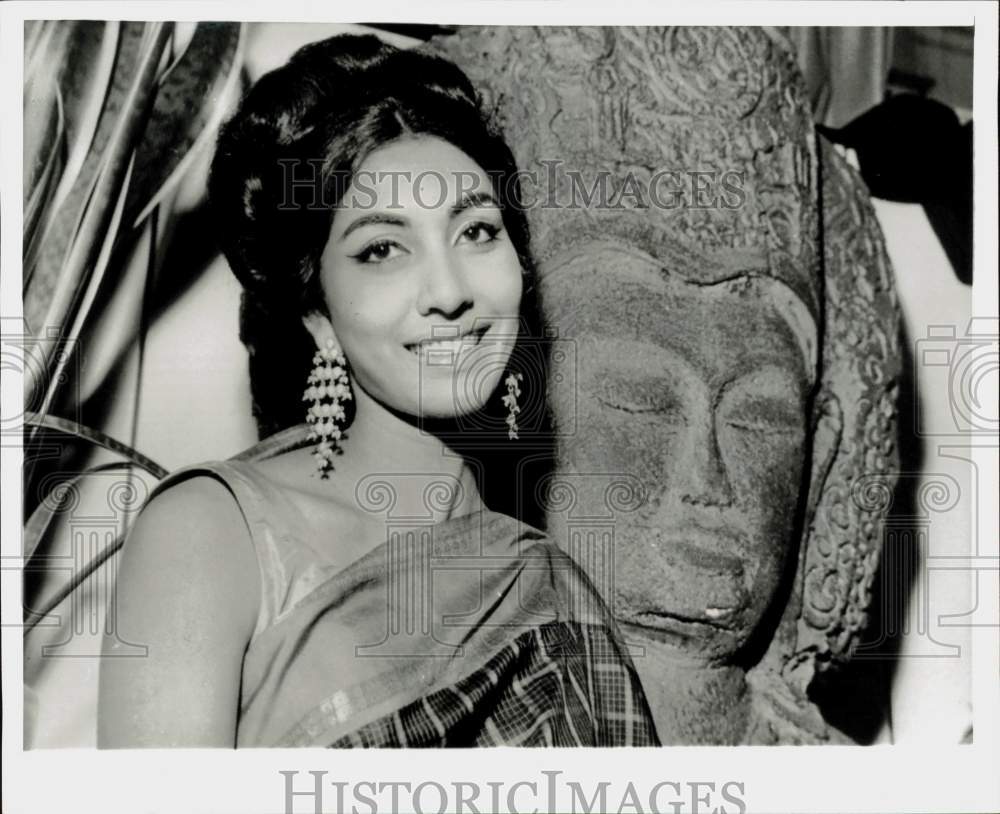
(424, 476)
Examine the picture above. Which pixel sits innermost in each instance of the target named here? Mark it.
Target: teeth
(444, 351)
(716, 613)
(442, 344)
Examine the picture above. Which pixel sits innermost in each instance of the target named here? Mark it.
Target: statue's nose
(702, 477)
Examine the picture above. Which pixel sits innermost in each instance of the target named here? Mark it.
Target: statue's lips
(703, 584)
(677, 624)
(694, 552)
(716, 548)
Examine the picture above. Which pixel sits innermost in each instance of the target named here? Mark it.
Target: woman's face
(421, 280)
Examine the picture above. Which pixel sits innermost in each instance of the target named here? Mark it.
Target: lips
(683, 622)
(685, 580)
(447, 345)
(715, 548)
(668, 626)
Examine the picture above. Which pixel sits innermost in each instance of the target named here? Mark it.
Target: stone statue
(724, 446)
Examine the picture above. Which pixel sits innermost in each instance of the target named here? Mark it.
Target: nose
(705, 481)
(445, 288)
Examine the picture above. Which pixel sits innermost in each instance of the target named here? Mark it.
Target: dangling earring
(328, 388)
(510, 402)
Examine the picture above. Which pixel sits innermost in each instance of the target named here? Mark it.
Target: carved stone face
(699, 393)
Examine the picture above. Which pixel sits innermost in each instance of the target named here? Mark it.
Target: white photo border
(775, 779)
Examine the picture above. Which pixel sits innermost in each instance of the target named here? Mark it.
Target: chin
(456, 396)
(447, 407)
(689, 639)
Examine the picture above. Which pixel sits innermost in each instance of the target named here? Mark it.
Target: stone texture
(736, 354)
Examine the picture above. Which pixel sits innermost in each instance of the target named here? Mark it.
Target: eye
(765, 421)
(480, 232)
(652, 398)
(764, 402)
(378, 252)
(762, 427)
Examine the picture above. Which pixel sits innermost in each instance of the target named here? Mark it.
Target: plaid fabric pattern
(559, 684)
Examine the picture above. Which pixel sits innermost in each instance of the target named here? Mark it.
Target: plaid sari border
(558, 684)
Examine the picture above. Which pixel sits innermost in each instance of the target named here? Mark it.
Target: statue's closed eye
(764, 416)
(653, 397)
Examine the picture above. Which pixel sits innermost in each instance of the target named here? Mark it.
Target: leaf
(63, 225)
(40, 519)
(41, 113)
(84, 82)
(81, 72)
(70, 280)
(96, 437)
(186, 115)
(87, 293)
(52, 504)
(31, 619)
(42, 174)
(33, 30)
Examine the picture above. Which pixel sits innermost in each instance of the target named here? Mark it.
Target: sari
(475, 631)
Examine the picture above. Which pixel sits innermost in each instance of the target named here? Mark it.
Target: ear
(828, 424)
(320, 328)
(797, 669)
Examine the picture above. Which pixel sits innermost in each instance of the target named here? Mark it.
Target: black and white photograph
(616, 391)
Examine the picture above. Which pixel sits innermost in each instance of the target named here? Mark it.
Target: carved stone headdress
(722, 114)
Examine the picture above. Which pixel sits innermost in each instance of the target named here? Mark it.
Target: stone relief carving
(732, 306)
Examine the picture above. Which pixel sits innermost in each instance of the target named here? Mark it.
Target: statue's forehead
(723, 106)
(609, 293)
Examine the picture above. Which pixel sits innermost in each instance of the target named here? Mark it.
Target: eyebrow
(468, 201)
(374, 220)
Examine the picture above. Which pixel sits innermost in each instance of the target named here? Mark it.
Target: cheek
(498, 282)
(365, 308)
(768, 481)
(765, 470)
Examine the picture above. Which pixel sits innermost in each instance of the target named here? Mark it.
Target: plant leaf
(73, 277)
(41, 518)
(43, 172)
(41, 112)
(84, 83)
(96, 437)
(63, 225)
(186, 114)
(32, 618)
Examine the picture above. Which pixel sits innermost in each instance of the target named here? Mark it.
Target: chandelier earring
(327, 390)
(510, 402)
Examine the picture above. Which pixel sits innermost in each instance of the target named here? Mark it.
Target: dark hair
(324, 112)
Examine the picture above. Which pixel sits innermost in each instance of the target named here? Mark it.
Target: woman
(351, 587)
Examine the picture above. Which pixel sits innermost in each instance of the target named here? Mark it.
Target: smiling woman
(347, 583)
(441, 283)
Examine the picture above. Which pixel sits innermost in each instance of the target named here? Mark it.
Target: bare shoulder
(195, 501)
(187, 591)
(191, 543)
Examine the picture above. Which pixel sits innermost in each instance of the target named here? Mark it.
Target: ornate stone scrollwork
(783, 240)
